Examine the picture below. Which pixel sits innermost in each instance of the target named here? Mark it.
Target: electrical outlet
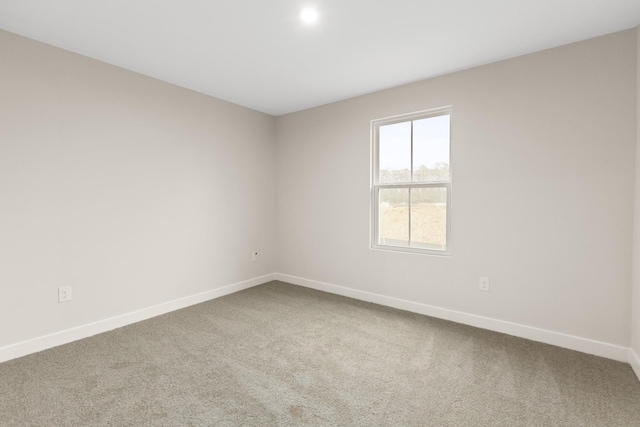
(64, 294)
(254, 256)
(483, 284)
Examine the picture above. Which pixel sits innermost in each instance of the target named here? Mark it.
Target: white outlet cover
(64, 294)
(483, 284)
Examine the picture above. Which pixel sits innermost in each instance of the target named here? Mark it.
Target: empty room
(331, 213)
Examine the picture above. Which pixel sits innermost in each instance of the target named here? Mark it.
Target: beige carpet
(279, 354)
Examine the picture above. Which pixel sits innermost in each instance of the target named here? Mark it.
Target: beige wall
(543, 153)
(635, 325)
(132, 191)
(136, 192)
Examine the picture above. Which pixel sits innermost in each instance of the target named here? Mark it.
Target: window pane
(429, 218)
(431, 149)
(395, 153)
(393, 211)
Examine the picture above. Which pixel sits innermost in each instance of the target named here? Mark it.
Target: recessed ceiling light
(309, 15)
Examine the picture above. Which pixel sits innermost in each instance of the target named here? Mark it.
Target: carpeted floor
(279, 354)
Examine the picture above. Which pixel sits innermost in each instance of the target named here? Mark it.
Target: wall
(138, 193)
(133, 191)
(542, 202)
(635, 302)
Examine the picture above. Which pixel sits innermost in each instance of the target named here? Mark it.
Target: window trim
(375, 186)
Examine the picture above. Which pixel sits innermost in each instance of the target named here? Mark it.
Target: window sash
(376, 218)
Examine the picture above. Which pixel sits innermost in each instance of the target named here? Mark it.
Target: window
(411, 191)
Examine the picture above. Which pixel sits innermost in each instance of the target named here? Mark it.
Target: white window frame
(376, 186)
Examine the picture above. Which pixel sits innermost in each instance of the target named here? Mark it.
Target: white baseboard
(634, 361)
(584, 345)
(34, 345)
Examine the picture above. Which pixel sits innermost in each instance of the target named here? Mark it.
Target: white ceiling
(258, 54)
